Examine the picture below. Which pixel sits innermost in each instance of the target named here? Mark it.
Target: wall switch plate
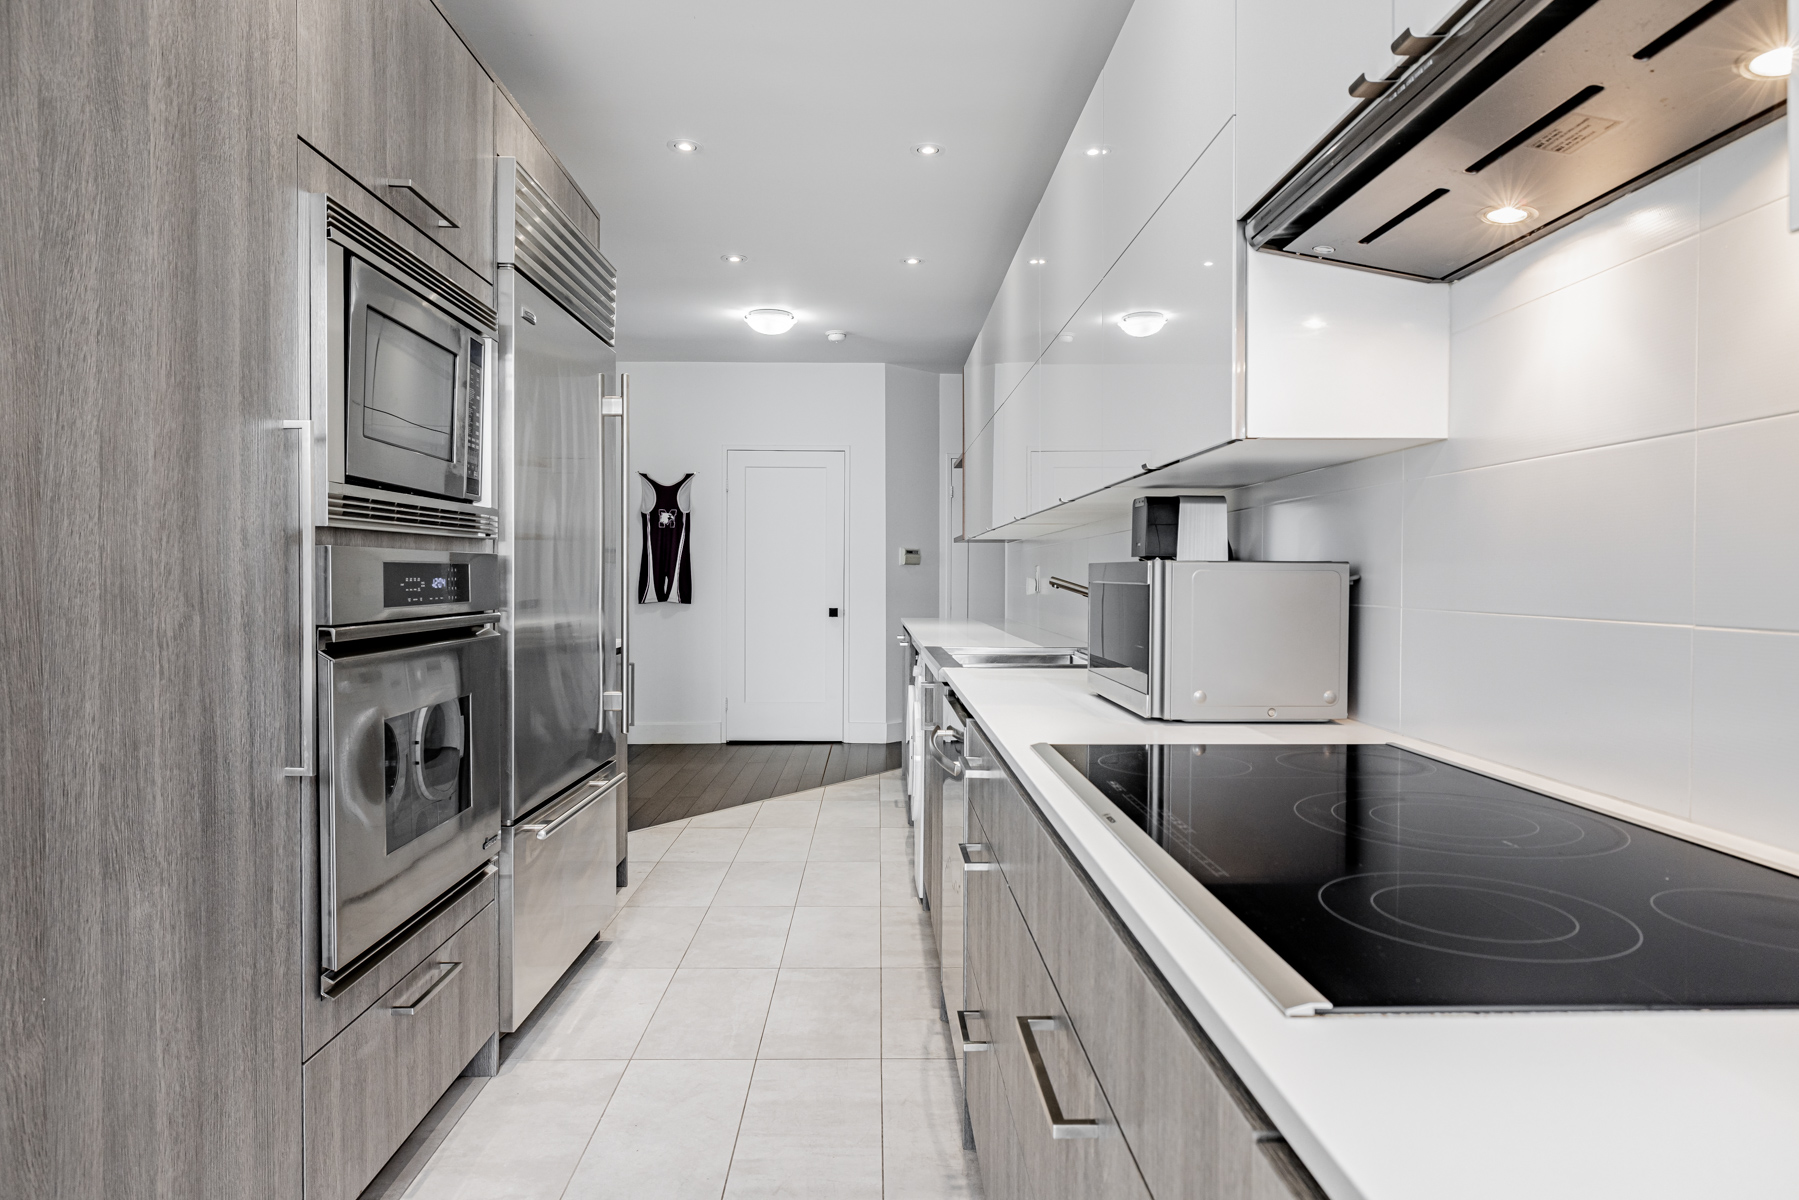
(910, 558)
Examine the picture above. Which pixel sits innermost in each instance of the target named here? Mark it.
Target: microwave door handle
(308, 553)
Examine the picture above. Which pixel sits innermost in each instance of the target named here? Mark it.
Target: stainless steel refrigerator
(561, 474)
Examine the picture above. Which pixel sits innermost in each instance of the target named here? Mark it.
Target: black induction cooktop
(1391, 881)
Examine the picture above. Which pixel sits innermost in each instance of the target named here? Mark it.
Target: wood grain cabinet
(388, 92)
(1117, 1047)
(513, 137)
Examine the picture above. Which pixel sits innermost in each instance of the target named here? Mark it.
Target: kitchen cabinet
(389, 93)
(1191, 1127)
(368, 1088)
(1069, 247)
(148, 336)
(1170, 88)
(513, 137)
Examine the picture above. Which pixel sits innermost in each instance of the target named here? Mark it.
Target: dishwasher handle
(940, 739)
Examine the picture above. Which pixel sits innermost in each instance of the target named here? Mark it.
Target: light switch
(910, 558)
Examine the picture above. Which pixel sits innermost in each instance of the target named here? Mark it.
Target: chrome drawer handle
(437, 985)
(969, 1045)
(969, 864)
(549, 828)
(1059, 1125)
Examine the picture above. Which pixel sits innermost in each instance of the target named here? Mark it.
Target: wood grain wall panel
(513, 137)
(152, 1014)
(318, 174)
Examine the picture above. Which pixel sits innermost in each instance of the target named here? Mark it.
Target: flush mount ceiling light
(835, 335)
(1142, 324)
(769, 320)
(1508, 214)
(1769, 64)
(911, 262)
(927, 149)
(684, 146)
(735, 258)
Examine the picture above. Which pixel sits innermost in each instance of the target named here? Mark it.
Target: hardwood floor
(669, 782)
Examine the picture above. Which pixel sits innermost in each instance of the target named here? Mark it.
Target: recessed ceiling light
(684, 146)
(835, 335)
(1324, 249)
(1142, 324)
(1068, 337)
(912, 262)
(1769, 64)
(735, 258)
(1314, 323)
(1208, 264)
(927, 149)
(1507, 214)
(1038, 262)
(769, 320)
(1093, 152)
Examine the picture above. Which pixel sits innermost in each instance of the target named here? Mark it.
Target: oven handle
(308, 552)
(548, 828)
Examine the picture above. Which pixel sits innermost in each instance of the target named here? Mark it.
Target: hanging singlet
(664, 575)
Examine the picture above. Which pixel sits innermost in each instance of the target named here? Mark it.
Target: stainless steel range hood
(1552, 107)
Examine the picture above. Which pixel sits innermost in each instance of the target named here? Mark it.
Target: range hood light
(1142, 324)
(1769, 64)
(1507, 214)
(769, 320)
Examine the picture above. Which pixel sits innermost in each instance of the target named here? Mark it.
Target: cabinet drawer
(1003, 1174)
(1047, 1079)
(389, 93)
(368, 1089)
(1193, 1128)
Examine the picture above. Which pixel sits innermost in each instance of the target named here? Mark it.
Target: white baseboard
(688, 733)
(873, 732)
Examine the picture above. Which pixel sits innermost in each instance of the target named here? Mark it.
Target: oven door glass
(425, 769)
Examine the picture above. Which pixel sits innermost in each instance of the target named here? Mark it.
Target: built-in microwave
(1220, 641)
(413, 382)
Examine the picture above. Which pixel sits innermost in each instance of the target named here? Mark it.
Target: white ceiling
(806, 112)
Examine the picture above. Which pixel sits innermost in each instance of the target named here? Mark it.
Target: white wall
(684, 416)
(1597, 576)
(914, 514)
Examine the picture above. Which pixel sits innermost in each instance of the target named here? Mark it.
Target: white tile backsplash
(1604, 705)
(1606, 534)
(1572, 582)
(1748, 521)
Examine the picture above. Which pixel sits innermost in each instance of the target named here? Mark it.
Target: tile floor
(762, 1019)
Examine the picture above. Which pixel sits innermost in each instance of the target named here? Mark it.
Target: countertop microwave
(1220, 641)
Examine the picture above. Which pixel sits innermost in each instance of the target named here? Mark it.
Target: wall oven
(412, 723)
(1220, 641)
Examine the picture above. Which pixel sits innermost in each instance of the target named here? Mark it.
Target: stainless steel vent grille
(369, 510)
(548, 248)
(439, 288)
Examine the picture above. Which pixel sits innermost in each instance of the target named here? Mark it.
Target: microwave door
(558, 498)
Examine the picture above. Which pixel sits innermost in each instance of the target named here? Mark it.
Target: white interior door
(785, 515)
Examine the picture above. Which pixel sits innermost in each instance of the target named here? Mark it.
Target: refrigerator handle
(619, 405)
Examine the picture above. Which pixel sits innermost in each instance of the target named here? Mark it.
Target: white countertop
(1427, 1107)
(930, 631)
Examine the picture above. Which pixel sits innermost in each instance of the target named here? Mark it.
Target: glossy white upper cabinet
(977, 481)
(1169, 88)
(1069, 254)
(1335, 353)
(1109, 404)
(1420, 16)
(1295, 62)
